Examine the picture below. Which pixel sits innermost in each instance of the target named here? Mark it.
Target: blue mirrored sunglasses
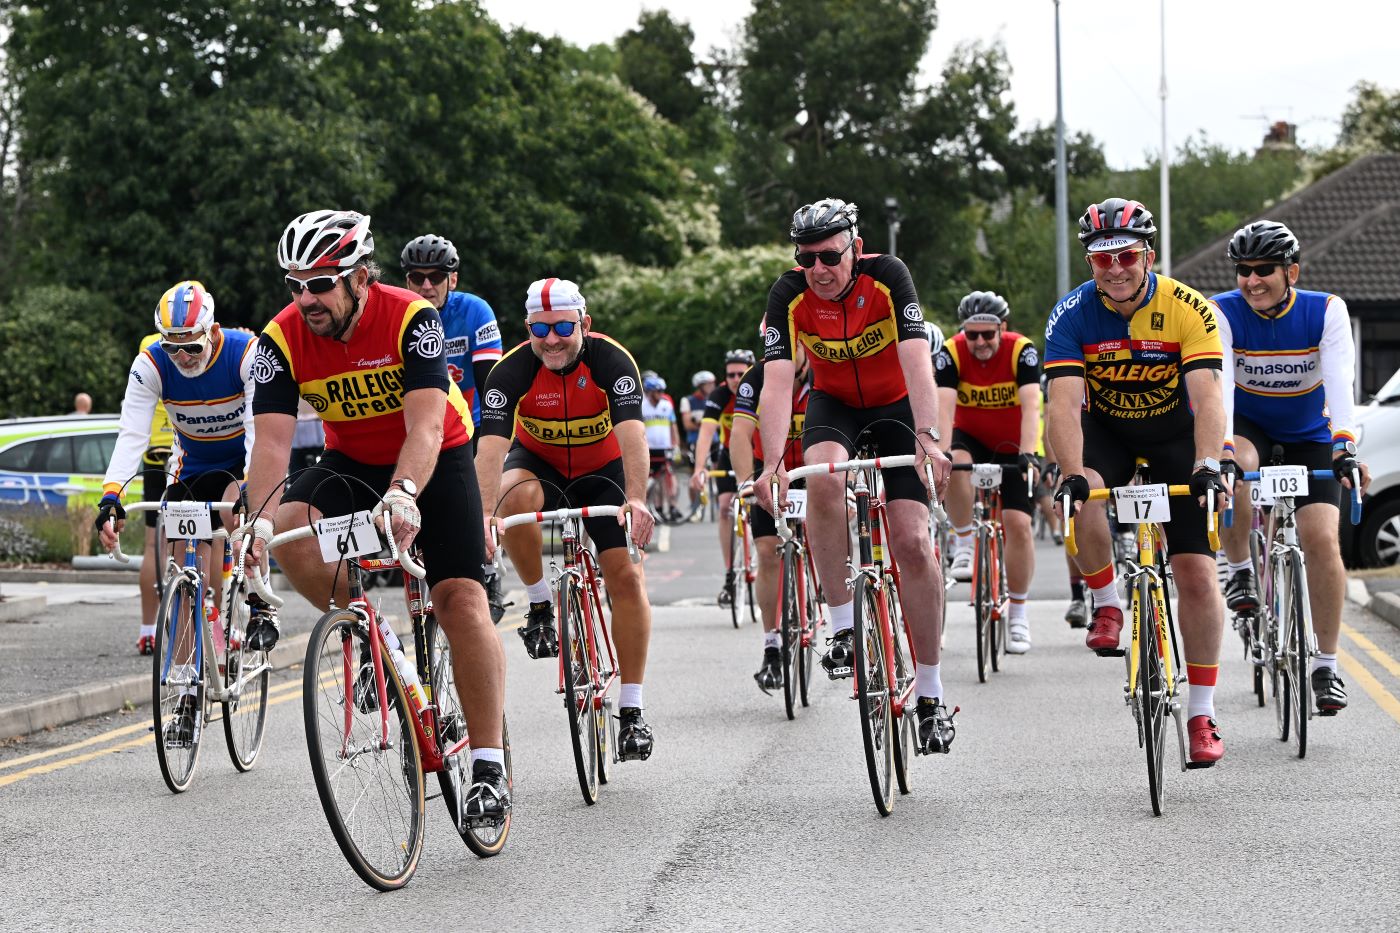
(562, 328)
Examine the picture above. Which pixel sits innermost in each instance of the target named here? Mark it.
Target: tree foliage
(53, 345)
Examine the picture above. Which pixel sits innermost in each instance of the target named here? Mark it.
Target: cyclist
(1294, 366)
(860, 319)
(201, 376)
(1134, 362)
(571, 400)
(370, 358)
(473, 339)
(719, 417)
(153, 479)
(989, 405)
(746, 453)
(659, 416)
(1077, 613)
(693, 406)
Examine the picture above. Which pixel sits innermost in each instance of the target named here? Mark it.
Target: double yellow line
(1359, 674)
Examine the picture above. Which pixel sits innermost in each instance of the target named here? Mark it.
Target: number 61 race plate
(347, 536)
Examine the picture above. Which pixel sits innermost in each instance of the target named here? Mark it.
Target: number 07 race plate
(1139, 504)
(347, 536)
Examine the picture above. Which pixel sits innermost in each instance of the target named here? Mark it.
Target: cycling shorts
(660, 456)
(604, 486)
(153, 479)
(1315, 455)
(1014, 494)
(888, 426)
(203, 487)
(724, 484)
(451, 539)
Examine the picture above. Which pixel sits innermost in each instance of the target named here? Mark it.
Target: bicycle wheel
(175, 676)
(807, 655)
(578, 689)
(873, 695)
(791, 629)
(246, 676)
(747, 538)
(1296, 654)
(995, 550)
(1153, 703)
(603, 721)
(656, 499)
(982, 601)
(903, 675)
(1277, 648)
(734, 560)
(364, 758)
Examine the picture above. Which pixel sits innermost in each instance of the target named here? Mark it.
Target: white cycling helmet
(325, 240)
(702, 377)
(935, 337)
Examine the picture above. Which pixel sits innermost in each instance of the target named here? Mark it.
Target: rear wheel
(177, 683)
(246, 675)
(578, 689)
(873, 695)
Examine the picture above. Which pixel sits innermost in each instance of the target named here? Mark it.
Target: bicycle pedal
(840, 673)
(1110, 652)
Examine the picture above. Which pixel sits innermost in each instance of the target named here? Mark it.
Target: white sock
(772, 640)
(928, 681)
(1200, 701)
(1328, 661)
(1107, 596)
(843, 617)
(537, 591)
(148, 630)
(962, 539)
(631, 696)
(1237, 566)
(1017, 606)
(493, 755)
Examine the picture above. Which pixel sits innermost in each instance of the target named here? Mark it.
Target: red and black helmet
(1117, 217)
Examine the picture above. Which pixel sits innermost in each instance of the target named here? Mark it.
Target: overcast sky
(1232, 67)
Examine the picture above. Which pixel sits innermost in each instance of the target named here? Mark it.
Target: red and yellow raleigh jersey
(746, 406)
(989, 399)
(565, 418)
(357, 387)
(719, 409)
(851, 342)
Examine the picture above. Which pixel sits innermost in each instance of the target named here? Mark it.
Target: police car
(45, 460)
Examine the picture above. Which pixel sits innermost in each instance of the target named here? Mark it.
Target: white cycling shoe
(961, 570)
(1018, 637)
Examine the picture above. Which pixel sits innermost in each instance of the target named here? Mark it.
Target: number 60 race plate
(347, 536)
(188, 520)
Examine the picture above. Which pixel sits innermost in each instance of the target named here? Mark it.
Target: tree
(51, 348)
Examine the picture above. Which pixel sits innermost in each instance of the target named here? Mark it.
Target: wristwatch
(1206, 463)
(407, 485)
(1344, 447)
(933, 433)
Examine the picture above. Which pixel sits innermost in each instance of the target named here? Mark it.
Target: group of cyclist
(424, 412)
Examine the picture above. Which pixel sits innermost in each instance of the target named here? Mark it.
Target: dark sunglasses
(987, 335)
(562, 328)
(193, 349)
(1126, 258)
(437, 277)
(1263, 270)
(316, 285)
(738, 375)
(829, 257)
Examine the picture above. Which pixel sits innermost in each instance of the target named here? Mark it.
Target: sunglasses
(988, 335)
(562, 328)
(829, 257)
(738, 375)
(316, 285)
(1126, 259)
(193, 349)
(437, 277)
(1263, 270)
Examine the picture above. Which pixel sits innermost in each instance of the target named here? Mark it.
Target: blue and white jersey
(472, 337)
(211, 413)
(1294, 372)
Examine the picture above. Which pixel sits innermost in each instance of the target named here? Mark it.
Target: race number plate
(188, 520)
(986, 475)
(347, 536)
(1257, 495)
(797, 505)
(1291, 480)
(1138, 504)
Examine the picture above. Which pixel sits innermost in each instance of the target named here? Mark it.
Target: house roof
(1349, 226)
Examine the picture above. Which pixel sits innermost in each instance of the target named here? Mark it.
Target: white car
(1376, 541)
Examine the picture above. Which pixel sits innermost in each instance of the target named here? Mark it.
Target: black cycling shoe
(541, 640)
(770, 675)
(488, 799)
(936, 729)
(1077, 615)
(1328, 691)
(634, 738)
(180, 730)
(839, 658)
(263, 628)
(494, 599)
(1241, 593)
(726, 595)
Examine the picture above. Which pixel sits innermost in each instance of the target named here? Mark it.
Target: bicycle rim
(733, 560)
(1278, 649)
(1152, 693)
(245, 711)
(807, 655)
(1297, 655)
(996, 626)
(177, 617)
(602, 714)
(981, 606)
(903, 675)
(873, 696)
(791, 630)
(371, 789)
(578, 690)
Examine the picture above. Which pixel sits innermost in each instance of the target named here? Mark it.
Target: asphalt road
(1038, 819)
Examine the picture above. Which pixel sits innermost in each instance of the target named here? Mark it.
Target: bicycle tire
(902, 675)
(729, 571)
(1282, 682)
(455, 778)
(178, 614)
(1151, 692)
(245, 710)
(807, 655)
(602, 719)
(790, 629)
(981, 603)
(337, 717)
(1296, 653)
(747, 537)
(873, 696)
(578, 689)
(996, 548)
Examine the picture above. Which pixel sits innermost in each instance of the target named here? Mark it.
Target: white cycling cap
(554, 295)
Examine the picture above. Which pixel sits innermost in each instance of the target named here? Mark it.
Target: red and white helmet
(554, 295)
(325, 240)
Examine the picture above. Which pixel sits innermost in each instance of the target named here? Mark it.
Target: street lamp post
(1061, 182)
(892, 218)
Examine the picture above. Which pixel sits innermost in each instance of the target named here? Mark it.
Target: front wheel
(790, 631)
(903, 677)
(873, 695)
(177, 683)
(1297, 655)
(246, 676)
(1153, 702)
(579, 690)
(982, 603)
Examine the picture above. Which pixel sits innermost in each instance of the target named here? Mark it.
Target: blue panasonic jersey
(1293, 372)
(473, 336)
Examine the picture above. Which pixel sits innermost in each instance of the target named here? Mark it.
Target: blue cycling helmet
(654, 384)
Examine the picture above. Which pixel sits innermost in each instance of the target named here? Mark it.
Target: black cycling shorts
(1013, 482)
(1315, 455)
(1169, 461)
(203, 487)
(658, 458)
(888, 427)
(153, 479)
(451, 538)
(603, 486)
(724, 484)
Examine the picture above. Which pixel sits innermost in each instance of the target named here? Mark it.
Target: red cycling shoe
(1104, 629)
(146, 644)
(1206, 745)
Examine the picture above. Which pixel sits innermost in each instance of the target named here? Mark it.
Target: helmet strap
(354, 310)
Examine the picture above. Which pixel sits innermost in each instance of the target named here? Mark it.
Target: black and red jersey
(989, 396)
(852, 342)
(719, 409)
(566, 418)
(746, 406)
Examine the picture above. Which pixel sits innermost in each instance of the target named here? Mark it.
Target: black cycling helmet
(739, 356)
(983, 306)
(1264, 239)
(1117, 217)
(814, 222)
(430, 251)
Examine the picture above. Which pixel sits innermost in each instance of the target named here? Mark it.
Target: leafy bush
(16, 543)
(54, 344)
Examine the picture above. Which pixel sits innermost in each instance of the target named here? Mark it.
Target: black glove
(1343, 465)
(1204, 480)
(107, 508)
(1027, 462)
(1051, 476)
(1230, 472)
(1076, 487)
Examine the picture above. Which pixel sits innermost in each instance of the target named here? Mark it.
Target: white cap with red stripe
(554, 295)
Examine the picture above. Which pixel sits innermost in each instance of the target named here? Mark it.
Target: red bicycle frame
(579, 564)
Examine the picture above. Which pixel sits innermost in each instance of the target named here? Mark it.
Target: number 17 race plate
(1138, 504)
